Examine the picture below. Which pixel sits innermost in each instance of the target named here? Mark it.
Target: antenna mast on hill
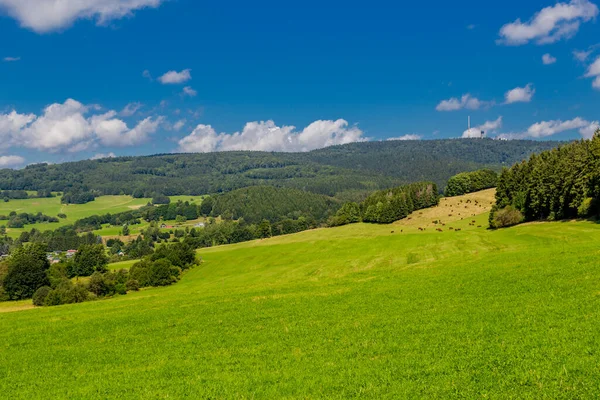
(469, 122)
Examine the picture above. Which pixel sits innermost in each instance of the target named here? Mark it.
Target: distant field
(53, 207)
(355, 311)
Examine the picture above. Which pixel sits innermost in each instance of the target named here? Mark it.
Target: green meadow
(364, 311)
(102, 205)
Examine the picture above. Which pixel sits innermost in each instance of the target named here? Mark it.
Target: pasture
(371, 311)
(102, 205)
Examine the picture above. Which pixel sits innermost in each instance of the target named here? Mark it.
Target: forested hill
(340, 170)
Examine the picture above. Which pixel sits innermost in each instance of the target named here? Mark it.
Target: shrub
(162, 273)
(67, 293)
(62, 216)
(39, 297)
(98, 285)
(508, 216)
(132, 285)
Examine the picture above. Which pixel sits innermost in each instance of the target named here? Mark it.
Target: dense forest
(347, 172)
(258, 203)
(387, 206)
(557, 184)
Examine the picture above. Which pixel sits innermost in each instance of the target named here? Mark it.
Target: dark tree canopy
(557, 184)
(334, 171)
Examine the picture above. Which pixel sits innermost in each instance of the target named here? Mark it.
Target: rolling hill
(376, 311)
(339, 170)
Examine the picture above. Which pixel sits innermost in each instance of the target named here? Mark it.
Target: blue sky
(274, 76)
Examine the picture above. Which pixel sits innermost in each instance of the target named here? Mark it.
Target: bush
(39, 297)
(97, 285)
(160, 199)
(506, 217)
(132, 285)
(67, 293)
(62, 216)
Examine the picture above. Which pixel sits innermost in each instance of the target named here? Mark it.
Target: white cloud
(551, 24)
(174, 77)
(179, 124)
(11, 59)
(548, 59)
(266, 136)
(593, 71)
(407, 137)
(465, 102)
(520, 94)
(12, 123)
(549, 128)
(61, 125)
(11, 161)
(115, 132)
(582, 55)
(487, 127)
(188, 91)
(100, 156)
(130, 109)
(44, 16)
(67, 126)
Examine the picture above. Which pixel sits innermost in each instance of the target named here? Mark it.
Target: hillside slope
(357, 311)
(355, 167)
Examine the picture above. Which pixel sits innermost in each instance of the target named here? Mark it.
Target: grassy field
(102, 205)
(357, 311)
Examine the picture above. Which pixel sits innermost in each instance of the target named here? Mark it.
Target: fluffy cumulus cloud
(545, 129)
(174, 77)
(465, 102)
(69, 126)
(266, 136)
(486, 128)
(411, 136)
(44, 16)
(520, 94)
(551, 24)
(548, 59)
(11, 161)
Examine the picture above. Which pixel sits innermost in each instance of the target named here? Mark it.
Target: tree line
(558, 184)
(355, 169)
(469, 182)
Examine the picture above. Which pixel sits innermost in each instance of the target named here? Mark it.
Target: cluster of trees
(20, 220)
(469, 182)
(557, 184)
(387, 206)
(353, 168)
(78, 197)
(61, 239)
(28, 274)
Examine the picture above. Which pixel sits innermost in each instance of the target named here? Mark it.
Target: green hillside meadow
(52, 207)
(355, 311)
